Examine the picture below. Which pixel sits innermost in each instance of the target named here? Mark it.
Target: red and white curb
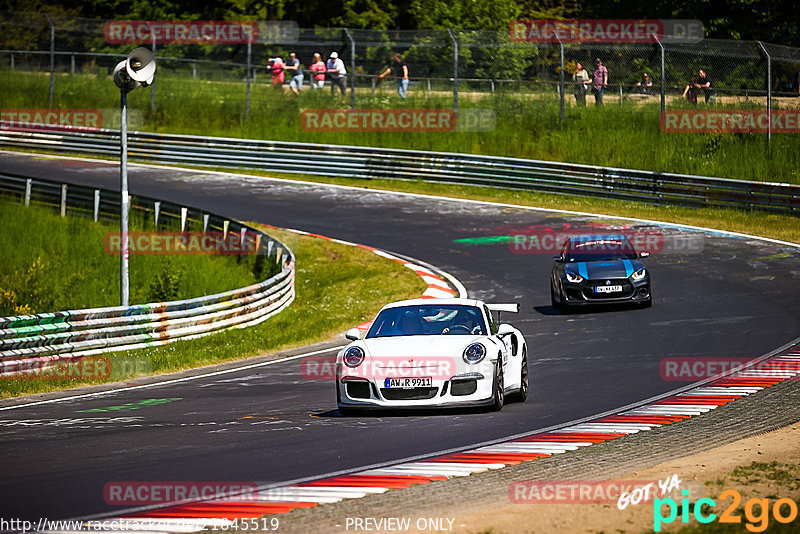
(194, 516)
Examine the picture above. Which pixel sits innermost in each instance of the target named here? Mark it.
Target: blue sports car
(599, 269)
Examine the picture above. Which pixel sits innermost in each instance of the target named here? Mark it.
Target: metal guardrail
(26, 342)
(396, 164)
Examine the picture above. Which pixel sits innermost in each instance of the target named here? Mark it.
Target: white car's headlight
(572, 277)
(353, 357)
(638, 275)
(474, 353)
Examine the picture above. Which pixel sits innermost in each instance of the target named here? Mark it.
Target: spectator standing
(581, 80)
(276, 68)
(645, 87)
(599, 81)
(292, 66)
(399, 70)
(318, 68)
(337, 73)
(704, 82)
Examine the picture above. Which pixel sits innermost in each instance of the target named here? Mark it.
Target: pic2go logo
(756, 511)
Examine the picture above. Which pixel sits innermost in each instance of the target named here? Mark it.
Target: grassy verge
(364, 282)
(61, 264)
(527, 126)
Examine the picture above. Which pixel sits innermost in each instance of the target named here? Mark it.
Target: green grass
(61, 264)
(364, 282)
(528, 126)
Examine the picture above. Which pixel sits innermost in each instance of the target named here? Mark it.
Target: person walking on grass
(599, 81)
(399, 70)
(581, 80)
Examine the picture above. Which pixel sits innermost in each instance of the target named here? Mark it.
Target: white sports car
(433, 353)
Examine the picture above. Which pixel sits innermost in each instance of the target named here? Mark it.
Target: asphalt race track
(737, 298)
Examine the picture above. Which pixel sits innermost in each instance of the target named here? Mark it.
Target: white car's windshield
(428, 319)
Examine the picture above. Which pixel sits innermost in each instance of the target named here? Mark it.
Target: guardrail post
(242, 236)
(28, 184)
(63, 200)
(12, 60)
(72, 64)
(184, 212)
(225, 226)
(455, 69)
(52, 56)
(205, 222)
(620, 94)
(769, 93)
(194, 71)
(157, 210)
(373, 86)
(96, 205)
(429, 88)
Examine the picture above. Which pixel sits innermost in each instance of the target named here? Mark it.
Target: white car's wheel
(499, 394)
(522, 393)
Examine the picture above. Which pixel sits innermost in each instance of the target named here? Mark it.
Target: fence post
(769, 93)
(12, 60)
(28, 184)
(157, 212)
(184, 215)
(352, 69)
(52, 56)
(205, 222)
(561, 82)
(72, 64)
(663, 76)
(96, 205)
(247, 76)
(455, 69)
(153, 83)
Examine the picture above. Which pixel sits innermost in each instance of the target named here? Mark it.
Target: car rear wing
(512, 308)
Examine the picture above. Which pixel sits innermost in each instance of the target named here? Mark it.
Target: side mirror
(644, 254)
(504, 329)
(354, 334)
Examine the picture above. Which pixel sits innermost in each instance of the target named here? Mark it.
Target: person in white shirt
(337, 73)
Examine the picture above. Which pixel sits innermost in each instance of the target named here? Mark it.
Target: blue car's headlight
(638, 275)
(353, 357)
(474, 353)
(572, 277)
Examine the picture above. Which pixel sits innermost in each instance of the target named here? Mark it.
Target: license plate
(608, 289)
(409, 383)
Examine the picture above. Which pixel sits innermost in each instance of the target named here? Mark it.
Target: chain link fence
(446, 67)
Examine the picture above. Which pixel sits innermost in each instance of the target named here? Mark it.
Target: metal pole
(769, 93)
(153, 85)
(663, 77)
(52, 56)
(352, 69)
(247, 76)
(123, 175)
(455, 69)
(561, 83)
